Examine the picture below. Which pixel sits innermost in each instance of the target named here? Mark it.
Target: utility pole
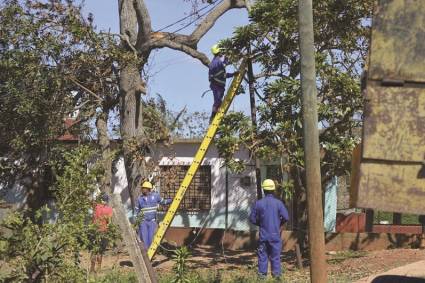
(251, 84)
(316, 235)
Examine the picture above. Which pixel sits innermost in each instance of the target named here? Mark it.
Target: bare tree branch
(181, 47)
(188, 43)
(212, 17)
(143, 20)
(99, 99)
(176, 37)
(269, 74)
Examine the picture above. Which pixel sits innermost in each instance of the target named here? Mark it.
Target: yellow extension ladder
(199, 156)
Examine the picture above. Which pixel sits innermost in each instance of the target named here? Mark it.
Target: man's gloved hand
(235, 73)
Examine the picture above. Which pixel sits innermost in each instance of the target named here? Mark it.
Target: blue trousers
(218, 92)
(269, 250)
(147, 231)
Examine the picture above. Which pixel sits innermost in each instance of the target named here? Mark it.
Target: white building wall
(240, 197)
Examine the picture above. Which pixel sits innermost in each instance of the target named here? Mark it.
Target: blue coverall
(269, 213)
(148, 205)
(217, 76)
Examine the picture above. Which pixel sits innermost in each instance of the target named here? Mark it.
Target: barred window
(197, 196)
(275, 173)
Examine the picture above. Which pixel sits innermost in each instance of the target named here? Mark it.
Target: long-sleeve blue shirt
(217, 71)
(148, 205)
(269, 213)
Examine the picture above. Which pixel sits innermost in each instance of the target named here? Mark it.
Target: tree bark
(104, 143)
(300, 208)
(132, 132)
(134, 26)
(131, 112)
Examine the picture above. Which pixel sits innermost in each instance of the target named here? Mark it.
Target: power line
(188, 16)
(200, 16)
(217, 2)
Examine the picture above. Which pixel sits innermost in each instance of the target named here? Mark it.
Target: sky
(178, 78)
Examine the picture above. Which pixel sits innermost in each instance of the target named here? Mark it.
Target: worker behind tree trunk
(217, 76)
(102, 216)
(146, 209)
(269, 213)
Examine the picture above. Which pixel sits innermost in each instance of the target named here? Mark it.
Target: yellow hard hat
(268, 185)
(147, 185)
(215, 49)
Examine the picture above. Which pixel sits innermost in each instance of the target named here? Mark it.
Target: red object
(352, 223)
(67, 136)
(102, 216)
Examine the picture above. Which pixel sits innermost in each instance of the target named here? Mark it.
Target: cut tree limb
(184, 48)
(130, 240)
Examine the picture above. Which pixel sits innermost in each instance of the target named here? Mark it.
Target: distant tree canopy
(52, 64)
(341, 31)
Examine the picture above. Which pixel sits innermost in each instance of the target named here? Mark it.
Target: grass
(248, 274)
(344, 255)
(114, 275)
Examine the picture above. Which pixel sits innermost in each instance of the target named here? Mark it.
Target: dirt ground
(346, 266)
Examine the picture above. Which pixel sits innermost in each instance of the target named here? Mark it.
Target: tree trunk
(300, 208)
(103, 139)
(251, 83)
(130, 102)
(132, 128)
(131, 133)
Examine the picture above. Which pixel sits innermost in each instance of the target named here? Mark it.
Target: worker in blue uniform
(146, 208)
(269, 213)
(217, 76)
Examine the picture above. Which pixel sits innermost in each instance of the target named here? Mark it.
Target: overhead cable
(188, 16)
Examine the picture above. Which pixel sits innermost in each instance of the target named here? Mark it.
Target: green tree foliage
(234, 131)
(52, 64)
(49, 245)
(341, 42)
(34, 97)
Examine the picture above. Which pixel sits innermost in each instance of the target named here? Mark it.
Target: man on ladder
(217, 76)
(199, 156)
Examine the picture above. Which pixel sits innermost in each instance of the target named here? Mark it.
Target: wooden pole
(316, 236)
